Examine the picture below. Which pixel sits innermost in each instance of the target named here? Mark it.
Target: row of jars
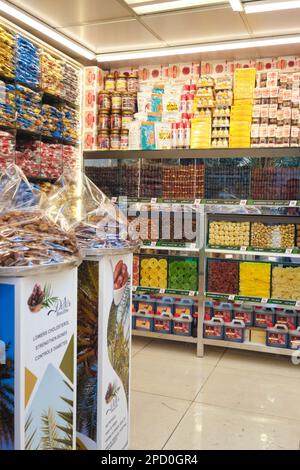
(114, 121)
(114, 140)
(122, 83)
(117, 101)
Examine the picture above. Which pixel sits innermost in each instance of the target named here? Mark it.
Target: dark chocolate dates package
(28, 237)
(78, 204)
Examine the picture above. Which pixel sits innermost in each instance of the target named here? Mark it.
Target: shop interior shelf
(249, 347)
(295, 254)
(194, 153)
(188, 247)
(180, 339)
(171, 292)
(251, 300)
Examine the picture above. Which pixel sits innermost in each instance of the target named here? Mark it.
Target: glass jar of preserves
(128, 102)
(104, 100)
(103, 140)
(110, 84)
(127, 118)
(121, 82)
(133, 83)
(116, 101)
(124, 144)
(115, 140)
(104, 120)
(116, 121)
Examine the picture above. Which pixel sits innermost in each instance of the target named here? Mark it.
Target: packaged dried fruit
(222, 233)
(272, 235)
(222, 276)
(255, 279)
(286, 282)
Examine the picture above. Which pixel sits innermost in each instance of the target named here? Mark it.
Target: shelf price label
(193, 246)
(243, 248)
(154, 200)
(162, 291)
(298, 304)
(264, 301)
(192, 293)
(243, 202)
(289, 251)
(231, 297)
(134, 288)
(293, 204)
(197, 202)
(153, 244)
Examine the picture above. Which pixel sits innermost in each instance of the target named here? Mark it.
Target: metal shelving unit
(274, 152)
(179, 339)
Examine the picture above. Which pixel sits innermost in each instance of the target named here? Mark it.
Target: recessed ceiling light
(199, 48)
(46, 30)
(260, 7)
(236, 5)
(145, 7)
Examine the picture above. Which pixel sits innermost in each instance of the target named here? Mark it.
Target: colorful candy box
(294, 339)
(182, 326)
(286, 317)
(264, 316)
(164, 315)
(214, 328)
(244, 313)
(234, 331)
(278, 336)
(223, 310)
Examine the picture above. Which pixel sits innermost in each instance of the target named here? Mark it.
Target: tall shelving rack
(204, 206)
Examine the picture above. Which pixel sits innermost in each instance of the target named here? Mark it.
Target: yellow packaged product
(286, 283)
(255, 279)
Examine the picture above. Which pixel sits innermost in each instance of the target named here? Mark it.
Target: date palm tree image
(87, 344)
(7, 404)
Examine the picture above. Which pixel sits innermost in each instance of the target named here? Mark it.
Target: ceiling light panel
(261, 7)
(143, 8)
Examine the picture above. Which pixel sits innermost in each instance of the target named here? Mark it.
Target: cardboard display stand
(38, 359)
(103, 356)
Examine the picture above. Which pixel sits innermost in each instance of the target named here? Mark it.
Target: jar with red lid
(121, 83)
(116, 121)
(104, 120)
(133, 83)
(104, 101)
(115, 140)
(116, 101)
(189, 103)
(103, 140)
(110, 84)
(124, 144)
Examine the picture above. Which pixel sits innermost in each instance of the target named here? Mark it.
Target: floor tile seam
(266, 415)
(257, 372)
(162, 396)
(177, 425)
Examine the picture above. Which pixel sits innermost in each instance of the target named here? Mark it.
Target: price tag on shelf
(243, 202)
(231, 297)
(293, 204)
(298, 304)
(134, 288)
(289, 251)
(153, 244)
(154, 200)
(243, 248)
(192, 293)
(197, 202)
(162, 291)
(264, 301)
(193, 246)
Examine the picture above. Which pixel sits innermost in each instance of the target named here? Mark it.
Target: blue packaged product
(234, 331)
(156, 103)
(27, 62)
(278, 336)
(294, 339)
(214, 328)
(182, 326)
(164, 315)
(52, 122)
(148, 136)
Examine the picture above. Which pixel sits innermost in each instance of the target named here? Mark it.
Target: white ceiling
(112, 26)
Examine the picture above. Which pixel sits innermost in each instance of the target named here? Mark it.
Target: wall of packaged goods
(208, 105)
(40, 106)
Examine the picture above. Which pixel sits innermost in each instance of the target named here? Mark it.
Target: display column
(104, 348)
(37, 364)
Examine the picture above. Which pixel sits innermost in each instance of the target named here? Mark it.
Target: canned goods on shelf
(121, 83)
(115, 140)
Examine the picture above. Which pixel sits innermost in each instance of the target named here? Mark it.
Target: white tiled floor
(227, 400)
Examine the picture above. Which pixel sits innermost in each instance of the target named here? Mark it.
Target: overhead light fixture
(143, 8)
(236, 5)
(260, 7)
(46, 30)
(199, 48)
